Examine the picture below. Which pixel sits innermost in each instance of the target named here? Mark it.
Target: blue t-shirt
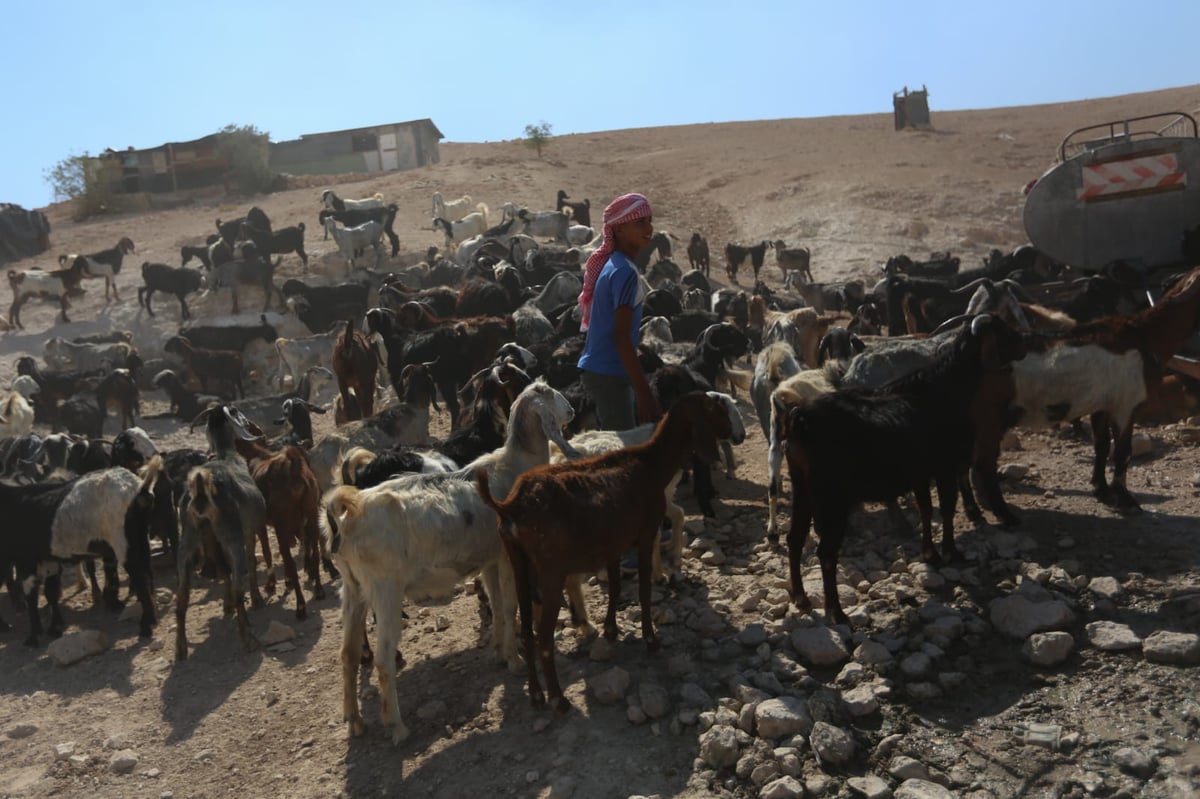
(617, 285)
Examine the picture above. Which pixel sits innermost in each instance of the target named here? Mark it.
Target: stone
(719, 747)
(860, 701)
(921, 789)
(123, 762)
(923, 690)
(870, 786)
(926, 576)
(1105, 587)
(692, 695)
(947, 627)
(1048, 649)
(1018, 617)
(23, 730)
(609, 687)
(764, 772)
(635, 714)
(1167, 647)
(752, 635)
(706, 622)
(821, 646)
(277, 633)
(782, 716)
(872, 653)
(654, 700)
(1142, 445)
(782, 788)
(1013, 471)
(1109, 636)
(1011, 442)
(73, 647)
(918, 664)
(431, 710)
(832, 745)
(1136, 761)
(64, 751)
(904, 767)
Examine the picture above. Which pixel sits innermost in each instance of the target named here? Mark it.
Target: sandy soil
(854, 191)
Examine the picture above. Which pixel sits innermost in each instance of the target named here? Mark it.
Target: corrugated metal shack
(379, 148)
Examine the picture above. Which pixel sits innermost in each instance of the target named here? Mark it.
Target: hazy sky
(86, 76)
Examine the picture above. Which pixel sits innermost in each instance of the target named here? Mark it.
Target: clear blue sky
(85, 76)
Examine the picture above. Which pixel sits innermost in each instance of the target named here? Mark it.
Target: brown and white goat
(59, 284)
(580, 516)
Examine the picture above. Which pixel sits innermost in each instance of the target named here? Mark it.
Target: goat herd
(520, 493)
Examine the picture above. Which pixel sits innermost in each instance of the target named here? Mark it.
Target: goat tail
(150, 474)
(483, 209)
(354, 462)
(344, 501)
(740, 378)
(379, 196)
(485, 491)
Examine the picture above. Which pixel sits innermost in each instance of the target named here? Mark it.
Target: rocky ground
(1058, 659)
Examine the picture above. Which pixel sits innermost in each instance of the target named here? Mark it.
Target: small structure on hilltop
(912, 109)
(378, 148)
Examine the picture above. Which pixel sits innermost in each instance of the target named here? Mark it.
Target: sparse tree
(538, 136)
(247, 151)
(85, 180)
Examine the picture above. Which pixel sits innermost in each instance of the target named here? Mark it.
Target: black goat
(177, 280)
(353, 217)
(872, 445)
(581, 212)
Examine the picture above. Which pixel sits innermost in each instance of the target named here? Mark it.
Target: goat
(454, 210)
(581, 212)
(352, 240)
(456, 232)
(736, 255)
(105, 512)
(16, 415)
(697, 253)
(321, 304)
(177, 280)
(230, 337)
(250, 270)
(263, 411)
(299, 354)
(546, 224)
(105, 264)
(186, 404)
(350, 218)
(200, 252)
(281, 242)
(792, 260)
(355, 361)
(221, 514)
(335, 203)
(418, 536)
(60, 284)
(84, 413)
(558, 520)
(220, 366)
(857, 445)
(62, 354)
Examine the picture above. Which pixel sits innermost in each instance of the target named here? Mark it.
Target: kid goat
(580, 516)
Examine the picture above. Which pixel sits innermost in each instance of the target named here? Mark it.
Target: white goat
(352, 240)
(62, 354)
(457, 232)
(296, 355)
(16, 415)
(455, 209)
(419, 536)
(578, 235)
(547, 224)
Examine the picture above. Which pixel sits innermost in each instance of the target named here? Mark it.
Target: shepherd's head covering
(625, 208)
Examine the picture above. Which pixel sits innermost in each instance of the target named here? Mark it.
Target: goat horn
(973, 285)
(951, 323)
(1017, 289)
(203, 417)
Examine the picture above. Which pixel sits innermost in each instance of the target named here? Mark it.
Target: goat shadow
(217, 662)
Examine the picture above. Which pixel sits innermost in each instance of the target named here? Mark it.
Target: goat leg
(31, 610)
(181, 603)
(522, 580)
(920, 491)
(1101, 441)
(614, 596)
(53, 592)
(269, 585)
(970, 506)
(827, 553)
(552, 591)
(647, 546)
(947, 488)
(355, 652)
(290, 575)
(1122, 452)
(387, 627)
(796, 537)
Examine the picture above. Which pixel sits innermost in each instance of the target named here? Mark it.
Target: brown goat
(223, 366)
(580, 516)
(293, 502)
(355, 361)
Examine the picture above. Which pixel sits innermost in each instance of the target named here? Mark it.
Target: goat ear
(857, 343)
(313, 408)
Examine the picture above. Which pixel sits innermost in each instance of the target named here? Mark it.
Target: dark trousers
(615, 408)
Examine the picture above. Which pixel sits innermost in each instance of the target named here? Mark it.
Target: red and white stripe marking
(1151, 172)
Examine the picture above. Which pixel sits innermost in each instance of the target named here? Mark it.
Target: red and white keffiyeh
(625, 208)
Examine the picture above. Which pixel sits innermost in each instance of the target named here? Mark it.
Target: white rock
(277, 633)
(64, 751)
(821, 646)
(782, 716)
(1168, 647)
(718, 746)
(609, 687)
(860, 701)
(832, 745)
(1109, 636)
(76, 646)
(870, 786)
(782, 788)
(872, 653)
(1048, 649)
(123, 762)
(1106, 587)
(921, 789)
(1142, 445)
(1139, 762)
(926, 576)
(1019, 617)
(904, 767)
(1013, 471)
